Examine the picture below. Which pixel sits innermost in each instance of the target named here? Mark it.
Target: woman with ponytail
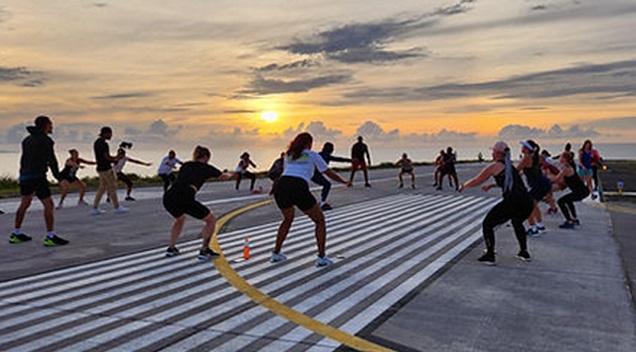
(180, 200)
(578, 190)
(292, 189)
(540, 185)
(515, 206)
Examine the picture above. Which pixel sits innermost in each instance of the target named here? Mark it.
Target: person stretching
(406, 167)
(540, 185)
(578, 190)
(68, 176)
(326, 154)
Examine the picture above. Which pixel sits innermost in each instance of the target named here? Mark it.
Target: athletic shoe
(413, 186)
(129, 198)
(323, 261)
(82, 203)
(172, 251)
(207, 254)
(97, 211)
(367, 185)
(524, 256)
(59, 206)
(326, 206)
(540, 227)
(487, 259)
(19, 238)
(400, 185)
(532, 232)
(577, 222)
(54, 241)
(438, 188)
(278, 257)
(567, 225)
(121, 210)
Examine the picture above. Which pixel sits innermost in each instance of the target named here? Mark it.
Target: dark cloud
(13, 73)
(123, 96)
(555, 132)
(238, 111)
(264, 86)
(539, 8)
(291, 66)
(33, 83)
(613, 79)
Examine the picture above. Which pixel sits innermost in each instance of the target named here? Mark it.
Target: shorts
(179, 200)
(584, 173)
(539, 190)
(64, 176)
(448, 170)
(292, 191)
(39, 186)
(358, 164)
(408, 171)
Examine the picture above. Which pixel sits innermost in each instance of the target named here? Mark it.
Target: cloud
(514, 131)
(614, 123)
(264, 86)
(291, 66)
(124, 96)
(614, 79)
(322, 132)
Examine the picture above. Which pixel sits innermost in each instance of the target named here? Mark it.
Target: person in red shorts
(358, 153)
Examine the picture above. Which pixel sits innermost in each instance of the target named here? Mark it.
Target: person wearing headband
(540, 185)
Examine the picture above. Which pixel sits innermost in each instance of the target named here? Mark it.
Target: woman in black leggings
(579, 190)
(515, 206)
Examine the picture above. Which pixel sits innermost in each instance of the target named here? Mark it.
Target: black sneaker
(207, 254)
(326, 206)
(487, 258)
(19, 238)
(54, 241)
(129, 198)
(172, 251)
(524, 256)
(367, 185)
(400, 185)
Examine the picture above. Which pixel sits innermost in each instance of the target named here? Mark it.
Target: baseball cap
(500, 146)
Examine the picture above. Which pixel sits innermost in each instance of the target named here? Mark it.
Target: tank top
(575, 183)
(518, 189)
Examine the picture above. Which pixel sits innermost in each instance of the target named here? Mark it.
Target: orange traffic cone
(246, 249)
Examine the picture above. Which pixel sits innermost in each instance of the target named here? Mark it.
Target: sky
(400, 73)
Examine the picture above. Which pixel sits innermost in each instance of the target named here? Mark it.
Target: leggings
(326, 186)
(247, 174)
(566, 203)
(515, 210)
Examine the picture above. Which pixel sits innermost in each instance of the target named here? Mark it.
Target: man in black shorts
(37, 157)
(448, 168)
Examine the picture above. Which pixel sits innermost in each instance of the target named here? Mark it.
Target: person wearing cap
(358, 153)
(107, 178)
(515, 206)
(540, 185)
(241, 170)
(68, 176)
(37, 157)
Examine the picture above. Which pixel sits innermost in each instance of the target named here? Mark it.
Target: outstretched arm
(485, 173)
(334, 176)
(134, 161)
(88, 162)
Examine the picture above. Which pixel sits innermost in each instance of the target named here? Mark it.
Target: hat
(105, 130)
(500, 146)
(530, 144)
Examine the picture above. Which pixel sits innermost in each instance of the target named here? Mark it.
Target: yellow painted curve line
(273, 305)
(617, 208)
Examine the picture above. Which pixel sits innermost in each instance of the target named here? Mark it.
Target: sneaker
(172, 251)
(207, 254)
(54, 241)
(567, 225)
(129, 198)
(541, 227)
(413, 186)
(97, 211)
(487, 258)
(19, 238)
(532, 232)
(323, 261)
(438, 188)
(278, 257)
(121, 210)
(400, 185)
(577, 222)
(326, 206)
(59, 206)
(524, 256)
(367, 185)
(82, 203)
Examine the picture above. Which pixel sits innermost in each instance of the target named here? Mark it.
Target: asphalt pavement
(575, 295)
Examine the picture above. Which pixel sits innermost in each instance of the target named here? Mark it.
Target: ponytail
(509, 180)
(300, 143)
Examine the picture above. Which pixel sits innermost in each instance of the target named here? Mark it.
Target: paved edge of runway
(264, 300)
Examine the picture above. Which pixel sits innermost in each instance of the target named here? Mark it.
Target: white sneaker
(323, 261)
(278, 257)
(97, 211)
(121, 210)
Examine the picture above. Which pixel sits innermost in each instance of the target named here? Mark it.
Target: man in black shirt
(107, 178)
(37, 157)
(358, 153)
(326, 154)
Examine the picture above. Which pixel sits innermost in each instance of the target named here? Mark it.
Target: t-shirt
(166, 169)
(358, 151)
(119, 165)
(195, 173)
(100, 147)
(304, 166)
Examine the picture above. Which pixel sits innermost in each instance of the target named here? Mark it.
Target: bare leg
(318, 217)
(208, 230)
(25, 203)
(64, 190)
(49, 218)
(176, 229)
(283, 229)
(82, 190)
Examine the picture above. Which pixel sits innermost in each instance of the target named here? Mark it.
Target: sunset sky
(397, 72)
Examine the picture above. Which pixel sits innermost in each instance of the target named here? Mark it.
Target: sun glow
(269, 116)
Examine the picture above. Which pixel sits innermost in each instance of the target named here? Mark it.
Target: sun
(269, 116)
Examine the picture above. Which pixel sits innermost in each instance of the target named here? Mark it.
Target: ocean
(263, 157)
